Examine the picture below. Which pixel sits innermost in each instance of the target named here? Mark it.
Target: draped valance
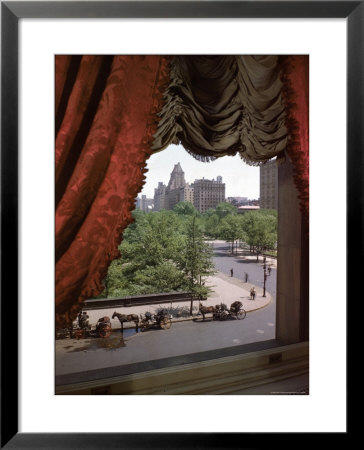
(224, 105)
(113, 112)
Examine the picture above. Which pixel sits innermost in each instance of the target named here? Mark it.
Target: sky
(240, 179)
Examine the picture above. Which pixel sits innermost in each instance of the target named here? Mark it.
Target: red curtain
(295, 77)
(106, 116)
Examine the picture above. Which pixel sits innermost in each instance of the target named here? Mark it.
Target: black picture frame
(11, 12)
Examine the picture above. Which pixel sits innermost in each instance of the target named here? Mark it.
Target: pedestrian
(246, 277)
(269, 269)
(231, 272)
(252, 293)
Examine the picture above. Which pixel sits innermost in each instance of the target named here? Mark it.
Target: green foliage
(211, 225)
(165, 251)
(231, 229)
(164, 277)
(212, 218)
(195, 260)
(185, 209)
(260, 229)
(154, 255)
(224, 209)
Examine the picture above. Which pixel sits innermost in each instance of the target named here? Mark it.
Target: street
(182, 338)
(224, 262)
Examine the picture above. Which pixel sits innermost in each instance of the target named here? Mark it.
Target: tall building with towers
(177, 190)
(177, 178)
(203, 194)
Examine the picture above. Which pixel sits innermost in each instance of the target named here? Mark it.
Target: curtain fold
(295, 77)
(62, 63)
(114, 101)
(224, 105)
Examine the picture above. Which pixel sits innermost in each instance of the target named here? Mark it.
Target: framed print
(305, 339)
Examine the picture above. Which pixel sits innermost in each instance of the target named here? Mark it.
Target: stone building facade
(160, 197)
(208, 193)
(269, 185)
(144, 203)
(177, 190)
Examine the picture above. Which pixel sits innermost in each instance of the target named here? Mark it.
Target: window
(287, 323)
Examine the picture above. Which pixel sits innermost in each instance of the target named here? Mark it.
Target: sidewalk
(225, 290)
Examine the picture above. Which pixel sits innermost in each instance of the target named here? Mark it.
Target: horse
(127, 318)
(206, 309)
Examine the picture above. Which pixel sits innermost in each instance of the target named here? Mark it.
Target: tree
(196, 260)
(161, 252)
(185, 209)
(164, 277)
(211, 223)
(148, 250)
(260, 229)
(231, 229)
(224, 209)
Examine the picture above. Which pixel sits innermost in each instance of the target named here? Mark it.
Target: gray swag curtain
(224, 105)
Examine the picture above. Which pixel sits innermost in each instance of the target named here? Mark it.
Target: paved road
(182, 338)
(258, 320)
(224, 262)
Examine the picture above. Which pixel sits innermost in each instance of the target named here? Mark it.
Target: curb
(224, 277)
(196, 317)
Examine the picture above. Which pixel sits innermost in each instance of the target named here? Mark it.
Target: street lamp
(266, 273)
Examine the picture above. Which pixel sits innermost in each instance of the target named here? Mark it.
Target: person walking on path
(231, 272)
(252, 293)
(246, 277)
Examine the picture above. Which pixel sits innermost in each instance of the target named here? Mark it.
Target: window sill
(252, 365)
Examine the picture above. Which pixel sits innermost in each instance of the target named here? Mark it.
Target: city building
(208, 193)
(237, 201)
(203, 194)
(160, 197)
(177, 179)
(177, 190)
(245, 208)
(144, 203)
(188, 193)
(269, 185)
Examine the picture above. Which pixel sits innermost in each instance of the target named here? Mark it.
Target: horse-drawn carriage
(222, 312)
(159, 320)
(82, 329)
(103, 328)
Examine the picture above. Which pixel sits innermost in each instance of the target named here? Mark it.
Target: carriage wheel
(105, 332)
(241, 314)
(79, 334)
(143, 326)
(166, 323)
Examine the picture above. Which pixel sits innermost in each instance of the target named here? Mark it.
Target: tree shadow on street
(247, 261)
